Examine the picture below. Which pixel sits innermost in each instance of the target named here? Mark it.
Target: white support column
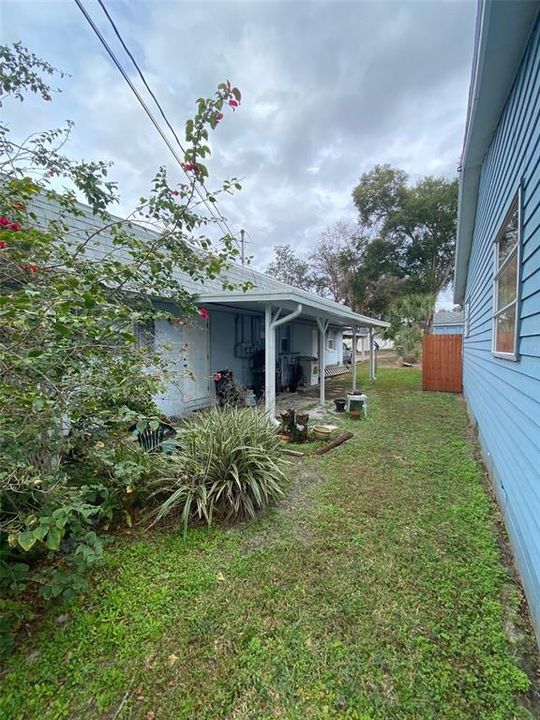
(354, 341)
(371, 356)
(269, 364)
(323, 327)
(362, 338)
(270, 325)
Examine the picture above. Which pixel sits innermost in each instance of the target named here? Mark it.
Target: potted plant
(340, 404)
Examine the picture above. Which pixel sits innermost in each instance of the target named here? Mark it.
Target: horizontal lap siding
(504, 396)
(447, 329)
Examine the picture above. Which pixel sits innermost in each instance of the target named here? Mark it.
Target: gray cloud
(329, 89)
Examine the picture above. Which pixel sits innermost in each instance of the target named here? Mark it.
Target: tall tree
(334, 261)
(414, 228)
(289, 268)
(378, 280)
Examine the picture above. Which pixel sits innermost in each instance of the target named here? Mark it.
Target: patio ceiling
(313, 307)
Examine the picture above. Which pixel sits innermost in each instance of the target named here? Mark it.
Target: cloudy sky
(329, 89)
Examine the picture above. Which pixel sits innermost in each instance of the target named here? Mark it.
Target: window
(146, 335)
(285, 339)
(505, 315)
(331, 340)
(466, 319)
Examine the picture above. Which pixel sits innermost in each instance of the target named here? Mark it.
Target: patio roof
(313, 306)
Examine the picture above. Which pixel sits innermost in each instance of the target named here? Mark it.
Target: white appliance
(310, 367)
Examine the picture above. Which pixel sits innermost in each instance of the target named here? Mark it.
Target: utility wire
(144, 105)
(154, 98)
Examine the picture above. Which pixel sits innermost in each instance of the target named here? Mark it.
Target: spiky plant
(227, 464)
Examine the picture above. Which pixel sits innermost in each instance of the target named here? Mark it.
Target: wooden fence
(442, 363)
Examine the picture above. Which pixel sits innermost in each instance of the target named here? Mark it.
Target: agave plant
(228, 464)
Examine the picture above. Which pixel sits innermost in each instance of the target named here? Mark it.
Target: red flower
(203, 312)
(6, 223)
(234, 103)
(29, 267)
(3, 245)
(190, 166)
(175, 193)
(219, 116)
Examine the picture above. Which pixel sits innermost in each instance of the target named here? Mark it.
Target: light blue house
(271, 338)
(447, 322)
(498, 268)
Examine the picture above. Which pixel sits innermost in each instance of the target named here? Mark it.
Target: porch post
(362, 338)
(371, 356)
(323, 326)
(270, 325)
(269, 364)
(354, 341)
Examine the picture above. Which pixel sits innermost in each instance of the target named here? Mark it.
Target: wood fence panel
(442, 363)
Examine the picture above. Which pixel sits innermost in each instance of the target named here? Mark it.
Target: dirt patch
(297, 498)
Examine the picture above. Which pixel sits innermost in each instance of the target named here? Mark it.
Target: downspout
(270, 325)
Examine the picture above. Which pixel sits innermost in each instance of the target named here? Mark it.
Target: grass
(375, 591)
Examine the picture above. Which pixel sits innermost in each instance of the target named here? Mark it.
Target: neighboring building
(447, 322)
(362, 343)
(497, 279)
(262, 335)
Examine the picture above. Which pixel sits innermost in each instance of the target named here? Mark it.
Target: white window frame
(466, 319)
(331, 339)
(497, 271)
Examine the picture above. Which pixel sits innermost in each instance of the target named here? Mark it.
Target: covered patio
(317, 315)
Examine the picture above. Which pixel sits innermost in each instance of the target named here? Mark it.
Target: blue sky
(329, 90)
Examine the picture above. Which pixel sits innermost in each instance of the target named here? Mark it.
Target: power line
(160, 108)
(145, 106)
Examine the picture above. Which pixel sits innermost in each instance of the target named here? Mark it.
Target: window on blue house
(505, 315)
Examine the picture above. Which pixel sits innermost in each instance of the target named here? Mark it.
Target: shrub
(228, 464)
(72, 376)
(410, 339)
(60, 513)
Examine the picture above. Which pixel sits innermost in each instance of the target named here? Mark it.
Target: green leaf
(141, 426)
(38, 404)
(89, 300)
(27, 540)
(54, 538)
(40, 532)
(62, 329)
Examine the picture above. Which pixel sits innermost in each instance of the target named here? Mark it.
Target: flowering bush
(71, 376)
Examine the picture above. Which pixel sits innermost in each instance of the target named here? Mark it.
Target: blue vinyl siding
(447, 330)
(504, 396)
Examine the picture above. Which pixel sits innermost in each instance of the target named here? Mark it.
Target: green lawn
(375, 591)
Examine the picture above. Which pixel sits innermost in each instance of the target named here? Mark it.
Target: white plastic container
(361, 397)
